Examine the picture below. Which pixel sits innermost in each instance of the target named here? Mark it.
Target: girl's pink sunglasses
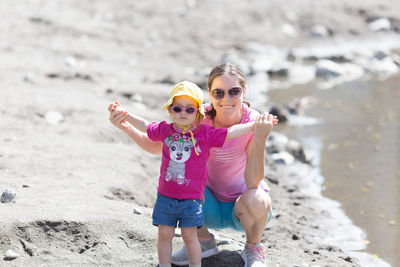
(179, 109)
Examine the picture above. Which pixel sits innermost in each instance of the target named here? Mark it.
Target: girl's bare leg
(192, 244)
(164, 244)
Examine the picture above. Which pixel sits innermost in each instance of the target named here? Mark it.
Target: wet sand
(359, 138)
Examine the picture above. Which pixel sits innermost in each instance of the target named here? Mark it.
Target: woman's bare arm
(255, 150)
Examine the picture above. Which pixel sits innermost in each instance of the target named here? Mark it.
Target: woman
(236, 195)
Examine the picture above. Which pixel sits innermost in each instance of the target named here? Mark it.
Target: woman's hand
(263, 126)
(118, 116)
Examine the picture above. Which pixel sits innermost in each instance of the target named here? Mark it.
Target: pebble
(137, 98)
(283, 158)
(8, 196)
(226, 242)
(295, 237)
(71, 62)
(382, 24)
(10, 255)
(29, 77)
(289, 30)
(276, 142)
(178, 232)
(54, 117)
(319, 31)
(137, 211)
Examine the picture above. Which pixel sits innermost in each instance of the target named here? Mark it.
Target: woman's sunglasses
(179, 109)
(233, 92)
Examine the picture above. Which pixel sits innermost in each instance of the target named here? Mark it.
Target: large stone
(10, 255)
(8, 196)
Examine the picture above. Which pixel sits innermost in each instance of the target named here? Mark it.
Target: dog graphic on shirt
(180, 149)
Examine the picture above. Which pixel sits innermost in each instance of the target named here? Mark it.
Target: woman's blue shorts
(219, 214)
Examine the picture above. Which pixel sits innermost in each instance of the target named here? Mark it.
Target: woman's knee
(255, 201)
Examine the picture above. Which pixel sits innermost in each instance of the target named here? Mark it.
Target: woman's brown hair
(225, 69)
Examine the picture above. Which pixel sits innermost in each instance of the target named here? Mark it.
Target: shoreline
(334, 227)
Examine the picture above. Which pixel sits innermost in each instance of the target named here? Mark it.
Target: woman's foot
(254, 255)
(208, 248)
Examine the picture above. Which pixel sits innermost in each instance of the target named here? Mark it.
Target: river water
(359, 141)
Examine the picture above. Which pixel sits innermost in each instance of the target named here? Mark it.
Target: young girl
(183, 172)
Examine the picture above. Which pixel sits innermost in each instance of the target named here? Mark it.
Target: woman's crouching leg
(253, 209)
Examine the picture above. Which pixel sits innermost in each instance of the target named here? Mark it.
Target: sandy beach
(84, 190)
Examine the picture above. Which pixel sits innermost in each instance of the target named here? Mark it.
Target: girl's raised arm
(123, 120)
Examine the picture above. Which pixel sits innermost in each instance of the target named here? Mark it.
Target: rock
(352, 71)
(29, 77)
(71, 62)
(273, 180)
(178, 232)
(295, 148)
(385, 67)
(8, 196)
(295, 237)
(297, 105)
(10, 255)
(280, 112)
(276, 142)
(395, 24)
(381, 24)
(334, 73)
(301, 74)
(137, 211)
(283, 157)
(319, 31)
(260, 63)
(289, 30)
(53, 117)
(380, 55)
(280, 69)
(137, 98)
(328, 69)
(226, 241)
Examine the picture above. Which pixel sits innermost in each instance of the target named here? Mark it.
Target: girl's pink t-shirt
(183, 173)
(227, 164)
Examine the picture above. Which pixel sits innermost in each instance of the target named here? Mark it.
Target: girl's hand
(118, 116)
(114, 106)
(263, 125)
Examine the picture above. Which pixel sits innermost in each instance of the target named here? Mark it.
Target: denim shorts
(219, 214)
(170, 211)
